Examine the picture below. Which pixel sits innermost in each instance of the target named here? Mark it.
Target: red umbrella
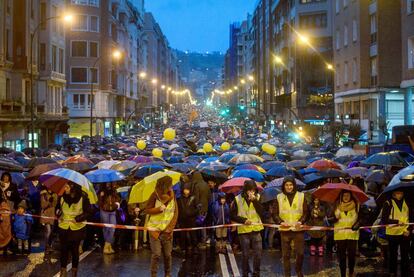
(324, 164)
(235, 185)
(78, 163)
(330, 192)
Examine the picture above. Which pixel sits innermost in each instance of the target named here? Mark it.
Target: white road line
(233, 263)
(223, 266)
(81, 257)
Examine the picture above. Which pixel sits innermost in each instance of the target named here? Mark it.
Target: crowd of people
(198, 200)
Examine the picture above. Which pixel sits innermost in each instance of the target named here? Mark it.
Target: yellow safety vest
(162, 220)
(397, 214)
(346, 221)
(290, 213)
(68, 215)
(249, 212)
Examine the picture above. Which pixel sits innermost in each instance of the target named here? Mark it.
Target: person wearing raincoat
(345, 218)
(291, 212)
(246, 209)
(317, 213)
(48, 202)
(9, 191)
(163, 211)
(73, 209)
(396, 210)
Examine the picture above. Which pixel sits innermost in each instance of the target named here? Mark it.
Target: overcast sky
(198, 25)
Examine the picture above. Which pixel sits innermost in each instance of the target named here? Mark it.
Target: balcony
(11, 108)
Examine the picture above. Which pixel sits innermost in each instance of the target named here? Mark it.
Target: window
(354, 30)
(54, 22)
(94, 3)
(93, 49)
(43, 16)
(61, 60)
(345, 3)
(7, 43)
(79, 75)
(42, 56)
(8, 89)
(338, 77)
(373, 24)
(319, 20)
(346, 35)
(79, 49)
(80, 23)
(76, 101)
(93, 24)
(374, 71)
(337, 5)
(365, 109)
(338, 40)
(354, 70)
(8, 6)
(54, 58)
(346, 73)
(410, 53)
(81, 101)
(93, 78)
(410, 6)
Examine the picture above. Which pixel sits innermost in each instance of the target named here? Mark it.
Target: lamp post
(115, 55)
(66, 18)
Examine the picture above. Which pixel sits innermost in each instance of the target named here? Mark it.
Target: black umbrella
(333, 173)
(386, 159)
(406, 186)
(5, 150)
(38, 161)
(281, 171)
(7, 164)
(376, 176)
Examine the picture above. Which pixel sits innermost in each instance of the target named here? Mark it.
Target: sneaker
(312, 250)
(320, 251)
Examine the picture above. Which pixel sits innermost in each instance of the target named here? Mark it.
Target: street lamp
(116, 55)
(142, 75)
(154, 81)
(66, 18)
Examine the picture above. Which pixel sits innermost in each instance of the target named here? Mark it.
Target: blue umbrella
(269, 194)
(278, 183)
(281, 171)
(218, 166)
(249, 173)
(183, 167)
(305, 171)
(104, 176)
(175, 159)
(211, 159)
(309, 178)
(207, 173)
(271, 164)
(147, 170)
(226, 157)
(177, 190)
(402, 173)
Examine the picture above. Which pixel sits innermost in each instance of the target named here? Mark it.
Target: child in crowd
(316, 218)
(221, 216)
(22, 223)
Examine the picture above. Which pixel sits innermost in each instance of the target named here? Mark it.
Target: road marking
(223, 266)
(233, 263)
(81, 257)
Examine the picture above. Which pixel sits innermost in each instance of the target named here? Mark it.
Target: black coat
(187, 211)
(11, 194)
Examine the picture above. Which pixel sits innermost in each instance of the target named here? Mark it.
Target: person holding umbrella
(73, 209)
(397, 211)
(246, 209)
(290, 212)
(163, 210)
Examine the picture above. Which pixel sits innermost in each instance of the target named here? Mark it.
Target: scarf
(346, 206)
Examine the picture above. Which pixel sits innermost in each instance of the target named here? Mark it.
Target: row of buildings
(49, 66)
(317, 61)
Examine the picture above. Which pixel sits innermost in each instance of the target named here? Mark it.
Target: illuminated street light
(236, 88)
(303, 38)
(278, 60)
(163, 87)
(142, 75)
(243, 81)
(154, 81)
(116, 54)
(68, 18)
(251, 78)
(329, 66)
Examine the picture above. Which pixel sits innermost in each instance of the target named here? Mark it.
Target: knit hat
(22, 204)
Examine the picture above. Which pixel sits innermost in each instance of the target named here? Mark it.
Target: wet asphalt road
(206, 263)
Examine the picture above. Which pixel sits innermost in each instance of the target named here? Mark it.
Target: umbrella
(208, 173)
(269, 194)
(248, 173)
(142, 190)
(357, 171)
(271, 164)
(147, 170)
(324, 164)
(8, 164)
(403, 172)
(218, 166)
(281, 171)
(140, 159)
(298, 164)
(107, 164)
(376, 176)
(251, 167)
(279, 181)
(333, 173)
(330, 192)
(57, 178)
(37, 161)
(345, 151)
(226, 157)
(386, 159)
(343, 159)
(184, 168)
(246, 159)
(78, 163)
(301, 154)
(406, 186)
(305, 171)
(104, 176)
(235, 185)
(40, 169)
(313, 177)
(17, 177)
(284, 157)
(124, 166)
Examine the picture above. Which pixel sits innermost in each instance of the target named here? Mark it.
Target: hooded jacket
(201, 191)
(187, 208)
(290, 196)
(256, 203)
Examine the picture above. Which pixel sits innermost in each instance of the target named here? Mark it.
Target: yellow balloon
(269, 149)
(225, 146)
(141, 144)
(156, 152)
(169, 134)
(207, 147)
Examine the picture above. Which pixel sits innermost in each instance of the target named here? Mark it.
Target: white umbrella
(345, 151)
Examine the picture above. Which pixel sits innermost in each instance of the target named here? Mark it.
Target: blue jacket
(218, 211)
(22, 225)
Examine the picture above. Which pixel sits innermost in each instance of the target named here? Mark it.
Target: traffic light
(242, 107)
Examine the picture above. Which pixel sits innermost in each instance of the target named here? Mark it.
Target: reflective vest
(400, 215)
(290, 213)
(162, 220)
(69, 213)
(249, 212)
(346, 221)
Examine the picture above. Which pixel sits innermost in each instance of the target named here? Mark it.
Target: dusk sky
(198, 25)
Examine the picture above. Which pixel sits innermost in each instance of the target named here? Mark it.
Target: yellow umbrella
(142, 190)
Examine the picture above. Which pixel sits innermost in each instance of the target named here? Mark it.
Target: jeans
(253, 240)
(162, 245)
(346, 249)
(298, 239)
(108, 233)
(404, 244)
